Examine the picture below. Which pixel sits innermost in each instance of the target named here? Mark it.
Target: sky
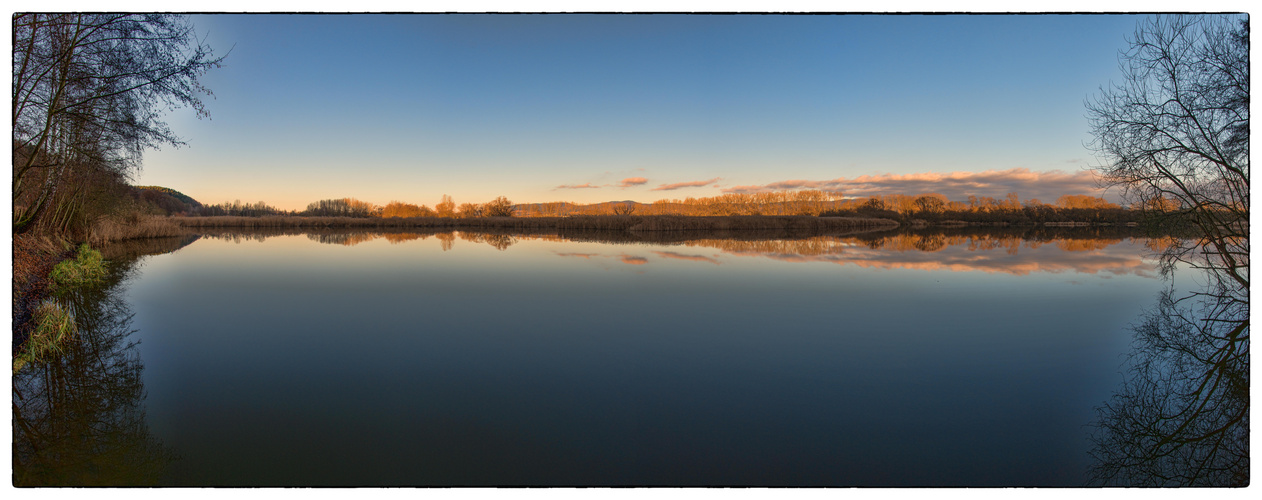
(592, 108)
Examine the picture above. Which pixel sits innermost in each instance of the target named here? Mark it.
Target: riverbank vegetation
(923, 209)
(48, 321)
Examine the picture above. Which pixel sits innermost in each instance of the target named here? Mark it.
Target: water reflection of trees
(1181, 418)
(446, 240)
(78, 419)
(1011, 251)
(1083, 249)
(343, 238)
(500, 240)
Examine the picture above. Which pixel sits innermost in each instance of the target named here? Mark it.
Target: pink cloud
(576, 186)
(677, 185)
(1046, 186)
(632, 181)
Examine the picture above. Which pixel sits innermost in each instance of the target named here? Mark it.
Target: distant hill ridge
(165, 199)
(186, 199)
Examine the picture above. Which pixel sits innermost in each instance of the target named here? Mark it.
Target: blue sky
(411, 107)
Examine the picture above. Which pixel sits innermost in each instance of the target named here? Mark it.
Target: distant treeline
(806, 224)
(929, 208)
(936, 209)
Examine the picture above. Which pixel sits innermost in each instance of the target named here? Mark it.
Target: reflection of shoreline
(1115, 251)
(1181, 415)
(79, 417)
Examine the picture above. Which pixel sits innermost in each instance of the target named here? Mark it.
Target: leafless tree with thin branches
(1175, 134)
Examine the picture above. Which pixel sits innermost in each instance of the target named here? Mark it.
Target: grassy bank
(33, 260)
(593, 222)
(44, 265)
(42, 323)
(43, 269)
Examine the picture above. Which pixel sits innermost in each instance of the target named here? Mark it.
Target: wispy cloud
(584, 185)
(632, 181)
(678, 185)
(1046, 186)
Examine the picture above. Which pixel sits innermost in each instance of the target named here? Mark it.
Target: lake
(902, 358)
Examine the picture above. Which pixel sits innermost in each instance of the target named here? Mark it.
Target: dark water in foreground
(893, 359)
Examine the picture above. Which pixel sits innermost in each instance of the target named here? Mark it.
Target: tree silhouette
(1176, 131)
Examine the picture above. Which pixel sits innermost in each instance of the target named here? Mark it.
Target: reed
(755, 222)
(134, 227)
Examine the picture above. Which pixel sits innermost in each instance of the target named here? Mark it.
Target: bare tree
(1177, 128)
(623, 208)
(1175, 134)
(469, 210)
(89, 91)
(499, 207)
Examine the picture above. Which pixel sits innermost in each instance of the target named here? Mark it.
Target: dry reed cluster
(108, 230)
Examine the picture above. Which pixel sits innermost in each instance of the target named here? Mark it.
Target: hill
(165, 199)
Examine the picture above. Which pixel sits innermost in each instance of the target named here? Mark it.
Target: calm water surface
(900, 359)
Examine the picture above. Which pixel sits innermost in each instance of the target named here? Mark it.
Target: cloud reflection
(960, 253)
(694, 258)
(1013, 251)
(633, 260)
